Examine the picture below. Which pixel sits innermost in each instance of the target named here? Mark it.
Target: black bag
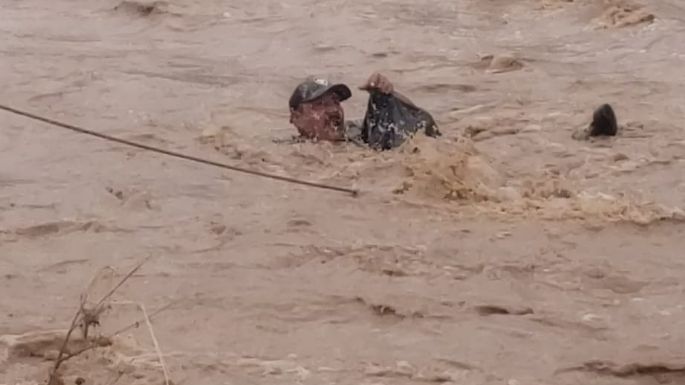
(392, 118)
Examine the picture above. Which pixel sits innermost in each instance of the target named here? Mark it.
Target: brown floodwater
(504, 252)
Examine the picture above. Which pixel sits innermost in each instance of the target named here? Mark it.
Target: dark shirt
(390, 119)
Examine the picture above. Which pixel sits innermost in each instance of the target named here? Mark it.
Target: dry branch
(158, 350)
(85, 317)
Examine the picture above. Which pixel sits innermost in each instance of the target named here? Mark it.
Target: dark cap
(312, 89)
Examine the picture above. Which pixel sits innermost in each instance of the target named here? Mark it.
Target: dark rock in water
(603, 122)
(141, 8)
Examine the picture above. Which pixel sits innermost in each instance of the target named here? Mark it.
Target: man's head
(316, 111)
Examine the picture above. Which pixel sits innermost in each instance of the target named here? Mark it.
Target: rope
(174, 154)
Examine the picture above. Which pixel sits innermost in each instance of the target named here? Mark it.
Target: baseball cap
(314, 88)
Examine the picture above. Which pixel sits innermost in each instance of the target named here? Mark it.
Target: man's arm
(378, 82)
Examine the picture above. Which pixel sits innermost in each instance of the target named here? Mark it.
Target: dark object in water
(141, 8)
(392, 118)
(603, 122)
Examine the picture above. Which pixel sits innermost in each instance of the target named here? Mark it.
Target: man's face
(321, 119)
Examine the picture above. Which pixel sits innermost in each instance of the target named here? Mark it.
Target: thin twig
(79, 315)
(74, 323)
(95, 343)
(90, 316)
(158, 350)
(79, 352)
(126, 277)
(154, 340)
(98, 275)
(137, 323)
(92, 346)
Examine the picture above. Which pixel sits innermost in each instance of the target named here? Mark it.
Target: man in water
(317, 113)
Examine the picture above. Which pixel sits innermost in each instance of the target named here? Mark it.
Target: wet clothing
(391, 118)
(389, 121)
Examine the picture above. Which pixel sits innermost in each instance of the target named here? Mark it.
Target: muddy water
(503, 253)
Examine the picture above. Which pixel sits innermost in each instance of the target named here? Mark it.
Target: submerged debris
(142, 8)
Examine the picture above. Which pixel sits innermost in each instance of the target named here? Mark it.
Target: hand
(378, 82)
